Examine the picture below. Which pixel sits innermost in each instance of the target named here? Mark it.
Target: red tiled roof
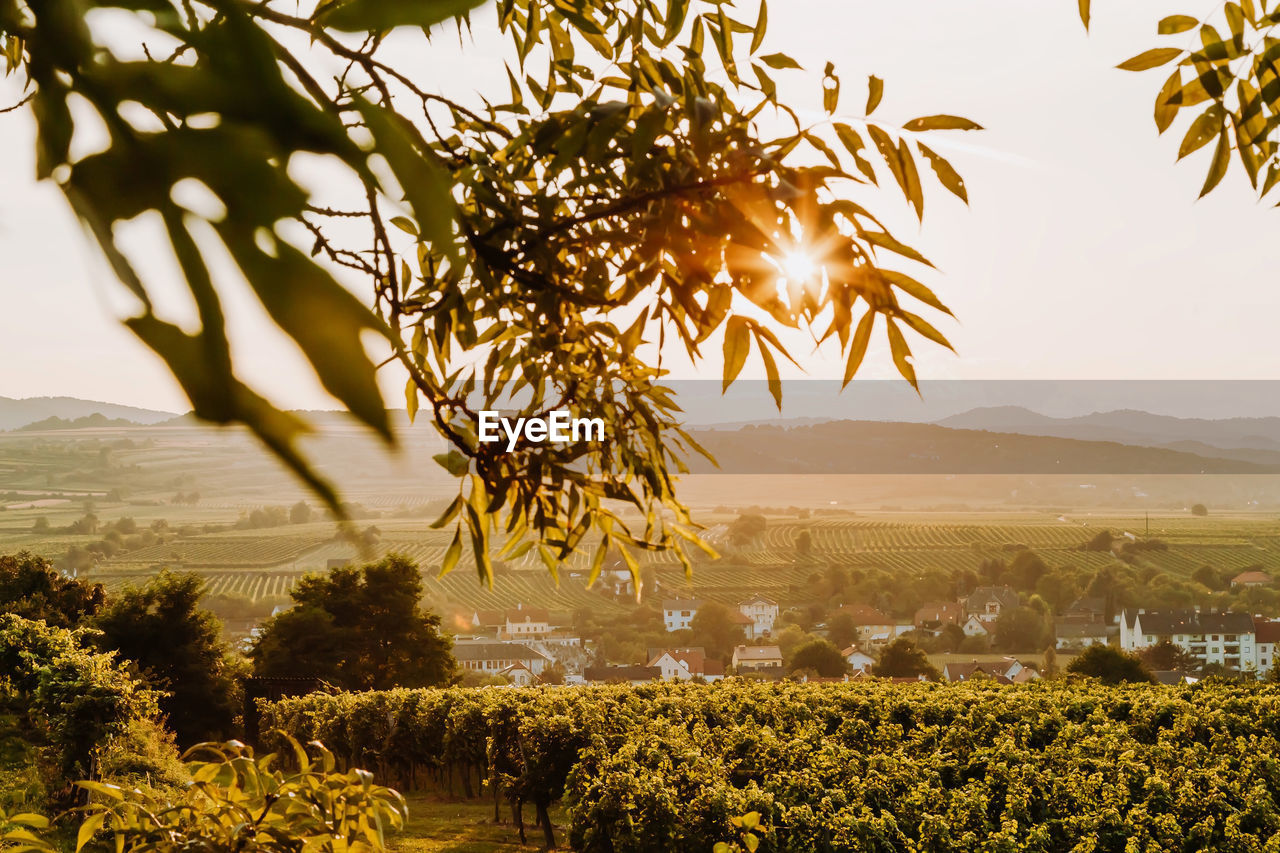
(1266, 630)
(865, 615)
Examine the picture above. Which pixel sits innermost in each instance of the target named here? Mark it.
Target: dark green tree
(804, 543)
(746, 528)
(358, 629)
(32, 588)
(842, 630)
(713, 628)
(300, 513)
(820, 656)
(1021, 629)
(1109, 665)
(1200, 510)
(1168, 656)
(178, 647)
(904, 659)
(1209, 576)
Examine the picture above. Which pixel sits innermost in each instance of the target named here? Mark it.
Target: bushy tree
(904, 659)
(714, 629)
(66, 700)
(1021, 629)
(178, 647)
(820, 656)
(1200, 510)
(746, 528)
(32, 588)
(300, 513)
(358, 629)
(1168, 656)
(1109, 665)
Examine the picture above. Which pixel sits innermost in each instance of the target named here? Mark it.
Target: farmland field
(199, 488)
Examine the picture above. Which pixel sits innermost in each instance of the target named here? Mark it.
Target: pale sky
(1084, 253)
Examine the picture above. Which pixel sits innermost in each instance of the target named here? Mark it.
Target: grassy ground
(438, 825)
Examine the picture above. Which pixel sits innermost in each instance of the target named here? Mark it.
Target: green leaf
(911, 178)
(779, 61)
(925, 328)
(88, 828)
(454, 462)
(1206, 126)
(427, 186)
(1177, 24)
(875, 91)
(452, 553)
(323, 318)
(1218, 168)
(737, 343)
(376, 15)
(941, 122)
(1165, 111)
(858, 347)
(771, 372)
(1153, 58)
(762, 23)
(901, 355)
(946, 173)
(411, 399)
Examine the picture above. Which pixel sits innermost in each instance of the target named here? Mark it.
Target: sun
(798, 266)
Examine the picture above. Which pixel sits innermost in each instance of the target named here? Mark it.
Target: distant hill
(16, 413)
(94, 421)
(878, 447)
(1127, 426)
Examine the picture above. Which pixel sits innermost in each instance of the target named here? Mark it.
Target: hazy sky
(1084, 253)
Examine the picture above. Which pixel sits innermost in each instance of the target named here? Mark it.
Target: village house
(685, 664)
(621, 674)
(1226, 639)
(1085, 609)
(526, 623)
(757, 658)
(762, 612)
(1266, 642)
(1252, 578)
(932, 617)
(874, 628)
(678, 613)
(859, 662)
(492, 658)
(1006, 671)
(987, 602)
(975, 627)
(519, 675)
(1079, 635)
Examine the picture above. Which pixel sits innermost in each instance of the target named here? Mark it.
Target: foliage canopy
(641, 186)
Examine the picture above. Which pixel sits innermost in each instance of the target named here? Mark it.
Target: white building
(858, 661)
(678, 613)
(684, 664)
(762, 612)
(519, 675)
(493, 658)
(1226, 639)
(526, 623)
(757, 657)
(1080, 635)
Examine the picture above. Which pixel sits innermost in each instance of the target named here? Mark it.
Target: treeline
(869, 766)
